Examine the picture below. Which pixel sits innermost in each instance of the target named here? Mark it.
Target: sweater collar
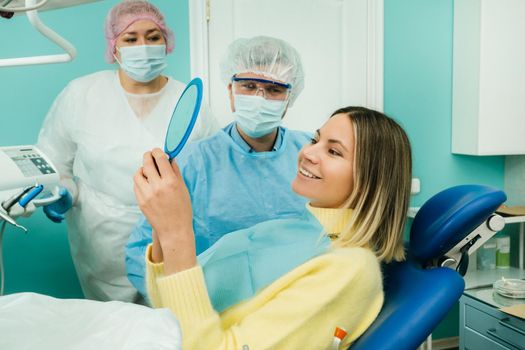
(332, 220)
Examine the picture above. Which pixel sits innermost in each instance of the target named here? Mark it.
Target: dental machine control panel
(24, 166)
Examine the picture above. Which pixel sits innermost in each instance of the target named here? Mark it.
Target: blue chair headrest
(416, 300)
(446, 218)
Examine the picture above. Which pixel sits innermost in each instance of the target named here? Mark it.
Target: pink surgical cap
(124, 14)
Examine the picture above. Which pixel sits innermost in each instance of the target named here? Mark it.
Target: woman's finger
(139, 184)
(176, 169)
(150, 169)
(163, 164)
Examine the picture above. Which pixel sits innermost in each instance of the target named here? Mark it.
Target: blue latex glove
(55, 211)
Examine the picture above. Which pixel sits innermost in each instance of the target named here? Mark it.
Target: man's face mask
(143, 63)
(259, 114)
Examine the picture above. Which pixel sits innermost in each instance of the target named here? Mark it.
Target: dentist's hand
(55, 211)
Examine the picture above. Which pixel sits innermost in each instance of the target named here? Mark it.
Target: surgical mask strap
(116, 59)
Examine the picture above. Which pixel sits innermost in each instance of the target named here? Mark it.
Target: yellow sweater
(300, 310)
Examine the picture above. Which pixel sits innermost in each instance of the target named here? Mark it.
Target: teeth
(308, 174)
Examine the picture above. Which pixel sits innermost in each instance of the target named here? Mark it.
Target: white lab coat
(96, 141)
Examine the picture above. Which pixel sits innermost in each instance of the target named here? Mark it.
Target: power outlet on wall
(416, 186)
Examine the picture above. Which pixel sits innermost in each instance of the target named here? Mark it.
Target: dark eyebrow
(318, 132)
(149, 31)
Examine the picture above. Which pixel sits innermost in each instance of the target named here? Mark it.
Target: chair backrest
(417, 298)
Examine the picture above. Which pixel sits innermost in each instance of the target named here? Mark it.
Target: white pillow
(34, 321)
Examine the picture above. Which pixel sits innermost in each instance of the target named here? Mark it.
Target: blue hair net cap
(271, 57)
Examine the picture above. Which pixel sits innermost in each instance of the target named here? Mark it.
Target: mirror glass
(183, 118)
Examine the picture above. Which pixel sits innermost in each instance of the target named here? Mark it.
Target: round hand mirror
(183, 118)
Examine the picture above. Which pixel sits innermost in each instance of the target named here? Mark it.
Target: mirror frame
(197, 82)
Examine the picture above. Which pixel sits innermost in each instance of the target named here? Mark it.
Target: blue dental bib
(243, 262)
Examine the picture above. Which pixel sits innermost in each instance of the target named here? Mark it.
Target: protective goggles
(271, 90)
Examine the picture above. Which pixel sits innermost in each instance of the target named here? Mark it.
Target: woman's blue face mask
(143, 63)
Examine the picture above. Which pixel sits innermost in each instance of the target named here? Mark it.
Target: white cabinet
(488, 108)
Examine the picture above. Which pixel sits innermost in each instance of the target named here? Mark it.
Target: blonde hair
(382, 179)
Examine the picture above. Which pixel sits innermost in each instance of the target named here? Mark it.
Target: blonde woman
(356, 174)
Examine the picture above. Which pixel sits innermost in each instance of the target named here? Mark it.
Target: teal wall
(418, 92)
(39, 261)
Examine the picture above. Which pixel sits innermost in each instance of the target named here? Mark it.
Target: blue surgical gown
(231, 188)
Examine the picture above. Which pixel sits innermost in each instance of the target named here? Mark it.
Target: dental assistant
(241, 175)
(96, 132)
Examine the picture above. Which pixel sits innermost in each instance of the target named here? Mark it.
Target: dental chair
(420, 291)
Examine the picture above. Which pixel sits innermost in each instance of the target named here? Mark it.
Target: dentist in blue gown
(241, 175)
